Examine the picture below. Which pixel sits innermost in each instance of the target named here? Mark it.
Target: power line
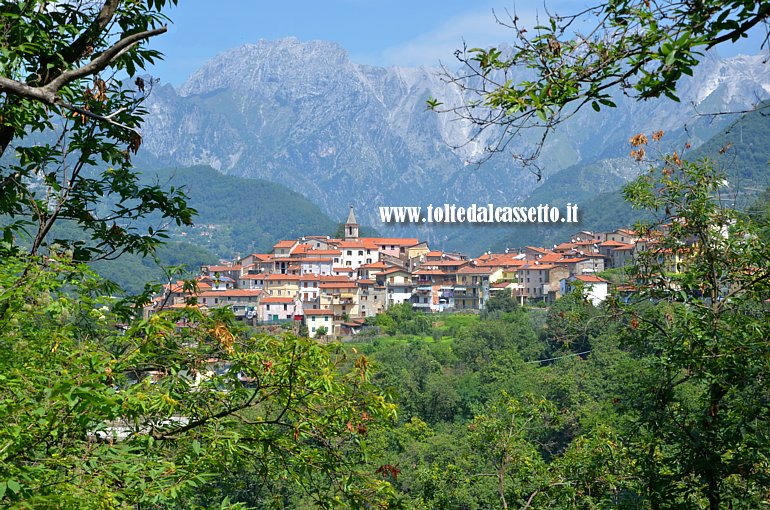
(559, 357)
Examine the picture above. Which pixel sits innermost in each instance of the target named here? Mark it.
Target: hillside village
(332, 285)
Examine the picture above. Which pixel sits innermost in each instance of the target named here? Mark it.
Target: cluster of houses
(332, 285)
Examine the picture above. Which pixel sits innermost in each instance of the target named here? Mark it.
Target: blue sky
(377, 32)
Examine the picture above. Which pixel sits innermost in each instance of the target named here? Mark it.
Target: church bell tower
(351, 226)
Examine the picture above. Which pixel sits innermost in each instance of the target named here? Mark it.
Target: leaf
(14, 486)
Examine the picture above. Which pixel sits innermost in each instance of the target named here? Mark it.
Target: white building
(595, 289)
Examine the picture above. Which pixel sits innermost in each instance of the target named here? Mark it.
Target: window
(368, 261)
(285, 307)
(350, 252)
(368, 252)
(360, 253)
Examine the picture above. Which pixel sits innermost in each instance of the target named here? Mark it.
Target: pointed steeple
(351, 226)
(351, 218)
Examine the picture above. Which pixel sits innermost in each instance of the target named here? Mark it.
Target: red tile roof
(334, 278)
(375, 265)
(318, 312)
(394, 241)
(339, 285)
(220, 269)
(260, 276)
(537, 249)
(308, 260)
(300, 248)
(279, 277)
(277, 299)
(394, 270)
(232, 293)
(588, 278)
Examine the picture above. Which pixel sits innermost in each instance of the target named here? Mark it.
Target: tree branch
(103, 59)
(48, 93)
(90, 35)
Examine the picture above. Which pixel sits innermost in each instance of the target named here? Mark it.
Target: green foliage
(703, 425)
(403, 319)
(657, 403)
(501, 302)
(100, 411)
(100, 408)
(571, 323)
(59, 70)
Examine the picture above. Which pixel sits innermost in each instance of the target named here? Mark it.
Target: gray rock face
(301, 114)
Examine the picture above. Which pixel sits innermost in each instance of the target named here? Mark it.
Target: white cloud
(477, 28)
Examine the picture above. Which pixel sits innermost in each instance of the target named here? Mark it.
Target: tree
(99, 407)
(700, 327)
(69, 123)
(93, 415)
(505, 438)
(501, 302)
(642, 47)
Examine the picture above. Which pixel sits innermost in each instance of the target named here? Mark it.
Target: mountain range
(302, 115)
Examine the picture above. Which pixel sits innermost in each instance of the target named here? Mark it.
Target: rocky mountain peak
(268, 62)
(301, 114)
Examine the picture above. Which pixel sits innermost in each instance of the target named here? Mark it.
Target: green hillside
(240, 216)
(743, 153)
(235, 216)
